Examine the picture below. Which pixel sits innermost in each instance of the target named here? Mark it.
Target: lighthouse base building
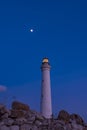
(46, 104)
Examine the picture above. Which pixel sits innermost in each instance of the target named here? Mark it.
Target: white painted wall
(46, 106)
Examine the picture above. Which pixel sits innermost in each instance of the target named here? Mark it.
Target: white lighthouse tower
(46, 106)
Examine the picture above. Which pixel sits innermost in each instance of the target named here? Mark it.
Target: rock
(14, 127)
(63, 115)
(4, 128)
(34, 127)
(68, 127)
(20, 121)
(20, 106)
(8, 121)
(17, 114)
(30, 116)
(76, 126)
(77, 118)
(3, 109)
(85, 128)
(1, 123)
(59, 122)
(45, 123)
(5, 116)
(58, 127)
(38, 123)
(22, 118)
(26, 127)
(38, 116)
(85, 124)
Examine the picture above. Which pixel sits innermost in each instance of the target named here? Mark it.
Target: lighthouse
(46, 105)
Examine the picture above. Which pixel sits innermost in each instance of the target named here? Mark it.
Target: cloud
(3, 88)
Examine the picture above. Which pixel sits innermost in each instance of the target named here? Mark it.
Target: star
(31, 30)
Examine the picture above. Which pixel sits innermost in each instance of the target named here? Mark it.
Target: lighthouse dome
(45, 60)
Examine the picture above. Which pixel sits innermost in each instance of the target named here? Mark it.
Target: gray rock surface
(77, 118)
(26, 127)
(63, 115)
(21, 117)
(14, 127)
(4, 128)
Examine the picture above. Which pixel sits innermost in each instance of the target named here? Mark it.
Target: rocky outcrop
(63, 115)
(20, 106)
(77, 119)
(21, 117)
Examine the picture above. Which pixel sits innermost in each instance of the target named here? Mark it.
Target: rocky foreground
(21, 117)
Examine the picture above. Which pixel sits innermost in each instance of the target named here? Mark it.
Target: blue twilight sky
(60, 33)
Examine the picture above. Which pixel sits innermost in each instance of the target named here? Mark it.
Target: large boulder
(63, 115)
(37, 115)
(85, 128)
(76, 126)
(17, 114)
(3, 110)
(34, 127)
(5, 128)
(58, 127)
(20, 106)
(14, 127)
(8, 121)
(26, 127)
(77, 119)
(68, 126)
(20, 121)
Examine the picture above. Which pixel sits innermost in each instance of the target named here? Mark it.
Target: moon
(31, 30)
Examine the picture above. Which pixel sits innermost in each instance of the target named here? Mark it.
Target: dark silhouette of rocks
(77, 118)
(63, 115)
(20, 106)
(21, 117)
